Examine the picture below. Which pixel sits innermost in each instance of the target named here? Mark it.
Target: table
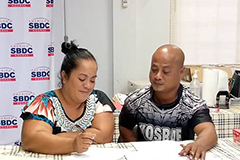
(225, 121)
(226, 149)
(116, 133)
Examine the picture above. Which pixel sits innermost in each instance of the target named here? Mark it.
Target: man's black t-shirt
(174, 121)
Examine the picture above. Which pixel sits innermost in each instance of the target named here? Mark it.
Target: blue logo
(40, 73)
(49, 3)
(8, 122)
(39, 25)
(21, 50)
(7, 74)
(50, 50)
(6, 25)
(22, 97)
(18, 142)
(19, 3)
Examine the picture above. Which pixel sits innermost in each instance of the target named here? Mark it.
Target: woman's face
(81, 80)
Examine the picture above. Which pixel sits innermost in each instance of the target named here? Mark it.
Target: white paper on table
(168, 150)
(156, 150)
(94, 153)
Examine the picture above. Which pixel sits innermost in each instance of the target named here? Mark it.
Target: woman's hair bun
(67, 47)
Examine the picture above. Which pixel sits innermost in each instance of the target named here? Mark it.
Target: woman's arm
(102, 127)
(37, 137)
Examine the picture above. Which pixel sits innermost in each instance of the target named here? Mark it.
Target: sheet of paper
(226, 149)
(155, 150)
(94, 153)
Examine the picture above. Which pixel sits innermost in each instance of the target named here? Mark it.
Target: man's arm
(206, 139)
(127, 135)
(206, 134)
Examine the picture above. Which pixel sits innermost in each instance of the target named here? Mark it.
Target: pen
(80, 128)
(83, 130)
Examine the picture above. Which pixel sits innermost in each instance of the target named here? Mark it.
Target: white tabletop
(226, 149)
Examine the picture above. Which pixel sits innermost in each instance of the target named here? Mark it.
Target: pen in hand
(83, 130)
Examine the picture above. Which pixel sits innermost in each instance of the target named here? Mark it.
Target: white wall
(122, 40)
(138, 31)
(58, 31)
(90, 23)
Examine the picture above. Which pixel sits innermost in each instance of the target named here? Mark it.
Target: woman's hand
(82, 142)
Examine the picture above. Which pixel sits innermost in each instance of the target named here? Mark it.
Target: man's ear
(182, 71)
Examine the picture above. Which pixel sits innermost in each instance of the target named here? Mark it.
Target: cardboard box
(189, 71)
(236, 135)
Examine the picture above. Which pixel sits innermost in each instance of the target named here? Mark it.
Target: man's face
(165, 72)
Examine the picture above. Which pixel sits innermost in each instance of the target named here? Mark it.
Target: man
(167, 110)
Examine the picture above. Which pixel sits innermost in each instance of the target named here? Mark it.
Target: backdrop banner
(26, 57)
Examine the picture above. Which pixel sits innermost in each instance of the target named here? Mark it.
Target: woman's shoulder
(99, 92)
(41, 108)
(103, 98)
(43, 97)
(100, 95)
(50, 93)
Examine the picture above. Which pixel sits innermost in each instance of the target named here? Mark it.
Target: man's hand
(194, 150)
(206, 139)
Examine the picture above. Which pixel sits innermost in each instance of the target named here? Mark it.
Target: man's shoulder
(139, 94)
(191, 100)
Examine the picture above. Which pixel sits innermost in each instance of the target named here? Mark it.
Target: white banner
(26, 57)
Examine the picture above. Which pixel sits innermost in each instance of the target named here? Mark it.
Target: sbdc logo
(49, 3)
(8, 122)
(21, 50)
(40, 73)
(19, 3)
(6, 25)
(50, 50)
(7, 74)
(39, 25)
(22, 98)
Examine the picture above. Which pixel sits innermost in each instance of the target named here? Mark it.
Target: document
(95, 153)
(156, 150)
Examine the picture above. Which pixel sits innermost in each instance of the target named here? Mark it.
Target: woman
(71, 118)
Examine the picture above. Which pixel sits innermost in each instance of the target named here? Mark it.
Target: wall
(138, 31)
(58, 34)
(122, 40)
(89, 22)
